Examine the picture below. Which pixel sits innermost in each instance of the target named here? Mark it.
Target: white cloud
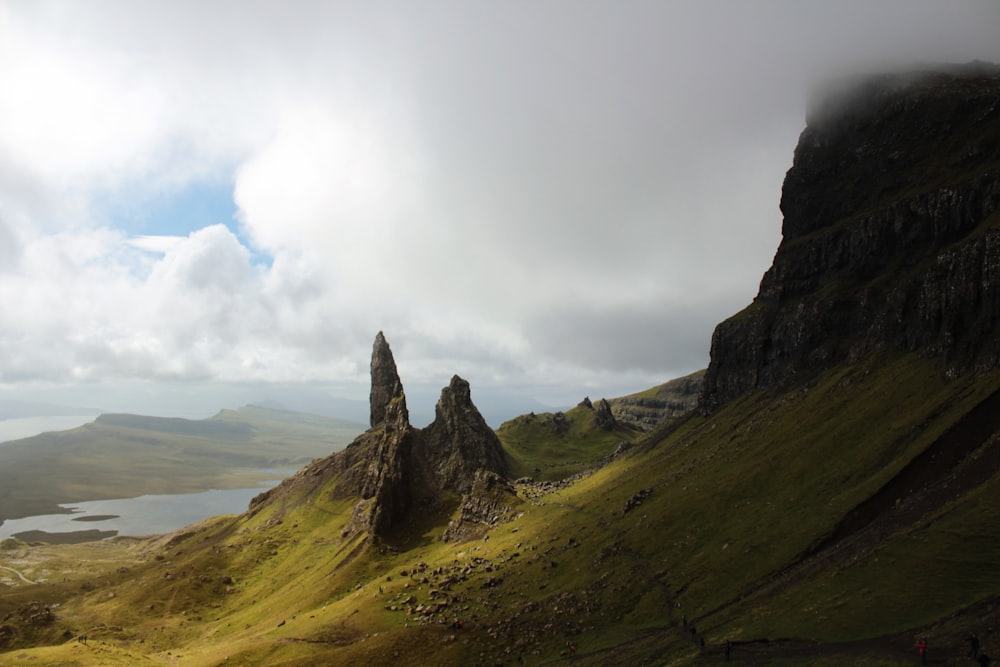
(535, 195)
(155, 243)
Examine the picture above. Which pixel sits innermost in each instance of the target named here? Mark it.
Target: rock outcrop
(891, 236)
(393, 467)
(386, 386)
(603, 417)
(459, 441)
(376, 466)
(648, 409)
(491, 500)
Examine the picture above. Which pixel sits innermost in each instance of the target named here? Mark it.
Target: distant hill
(14, 409)
(121, 455)
(649, 408)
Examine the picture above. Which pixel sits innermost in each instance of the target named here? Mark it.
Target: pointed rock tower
(392, 466)
(603, 417)
(386, 386)
(379, 460)
(459, 441)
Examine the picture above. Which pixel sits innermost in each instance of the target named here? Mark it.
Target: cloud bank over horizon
(548, 198)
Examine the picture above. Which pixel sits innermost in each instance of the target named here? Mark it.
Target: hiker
(694, 633)
(922, 647)
(729, 649)
(973, 645)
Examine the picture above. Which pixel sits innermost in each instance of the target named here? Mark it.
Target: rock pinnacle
(386, 386)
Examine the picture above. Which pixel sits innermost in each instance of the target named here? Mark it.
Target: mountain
(889, 238)
(835, 499)
(13, 409)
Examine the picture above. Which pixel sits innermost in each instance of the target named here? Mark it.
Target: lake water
(145, 515)
(25, 427)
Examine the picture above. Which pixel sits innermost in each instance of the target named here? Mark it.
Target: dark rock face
(603, 417)
(891, 237)
(382, 472)
(459, 441)
(386, 386)
(393, 467)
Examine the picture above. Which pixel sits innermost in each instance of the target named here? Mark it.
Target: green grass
(733, 500)
(550, 446)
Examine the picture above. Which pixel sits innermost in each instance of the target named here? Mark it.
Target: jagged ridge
(393, 467)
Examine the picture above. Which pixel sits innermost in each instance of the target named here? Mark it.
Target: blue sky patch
(179, 212)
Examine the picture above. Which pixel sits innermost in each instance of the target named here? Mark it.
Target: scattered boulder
(491, 500)
(35, 614)
(636, 500)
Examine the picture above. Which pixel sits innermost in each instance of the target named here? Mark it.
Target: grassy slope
(551, 446)
(735, 500)
(133, 455)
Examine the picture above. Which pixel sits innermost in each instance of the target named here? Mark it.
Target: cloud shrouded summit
(560, 199)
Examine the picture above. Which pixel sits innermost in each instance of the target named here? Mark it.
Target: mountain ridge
(889, 237)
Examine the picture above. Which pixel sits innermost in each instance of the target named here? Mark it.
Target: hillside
(834, 499)
(556, 445)
(647, 409)
(120, 456)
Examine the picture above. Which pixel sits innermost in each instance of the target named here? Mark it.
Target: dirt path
(19, 575)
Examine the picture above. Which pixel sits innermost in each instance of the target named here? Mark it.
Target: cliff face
(647, 409)
(891, 236)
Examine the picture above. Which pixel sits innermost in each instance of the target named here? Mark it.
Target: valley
(126, 456)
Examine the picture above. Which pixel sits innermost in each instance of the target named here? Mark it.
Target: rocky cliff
(890, 238)
(393, 467)
(647, 409)
(459, 441)
(386, 386)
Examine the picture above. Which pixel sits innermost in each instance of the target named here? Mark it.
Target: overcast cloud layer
(547, 198)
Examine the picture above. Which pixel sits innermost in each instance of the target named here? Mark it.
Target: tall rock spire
(386, 386)
(393, 468)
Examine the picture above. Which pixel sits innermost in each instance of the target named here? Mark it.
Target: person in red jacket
(922, 647)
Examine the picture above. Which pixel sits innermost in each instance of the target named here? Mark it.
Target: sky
(203, 203)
